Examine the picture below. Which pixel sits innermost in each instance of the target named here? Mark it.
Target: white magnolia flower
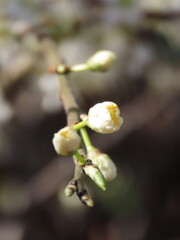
(104, 117)
(101, 61)
(105, 164)
(66, 141)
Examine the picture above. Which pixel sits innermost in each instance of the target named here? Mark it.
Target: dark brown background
(144, 201)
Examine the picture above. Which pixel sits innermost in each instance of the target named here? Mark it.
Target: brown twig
(65, 92)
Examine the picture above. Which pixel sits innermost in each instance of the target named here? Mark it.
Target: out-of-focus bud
(83, 194)
(105, 164)
(95, 174)
(104, 117)
(87, 200)
(66, 141)
(70, 189)
(101, 61)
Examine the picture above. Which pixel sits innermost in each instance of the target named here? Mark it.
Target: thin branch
(69, 103)
(65, 92)
(166, 16)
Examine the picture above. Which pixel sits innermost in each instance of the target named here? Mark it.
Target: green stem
(79, 67)
(80, 125)
(86, 139)
(79, 158)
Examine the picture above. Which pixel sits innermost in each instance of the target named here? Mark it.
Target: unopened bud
(70, 189)
(83, 194)
(66, 141)
(95, 174)
(101, 61)
(104, 163)
(104, 117)
(87, 200)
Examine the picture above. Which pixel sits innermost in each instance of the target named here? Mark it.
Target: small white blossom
(66, 141)
(104, 117)
(101, 61)
(105, 164)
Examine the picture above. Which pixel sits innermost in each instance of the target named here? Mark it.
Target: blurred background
(143, 202)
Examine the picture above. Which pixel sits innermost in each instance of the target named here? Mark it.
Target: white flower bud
(101, 61)
(105, 164)
(107, 167)
(66, 141)
(104, 117)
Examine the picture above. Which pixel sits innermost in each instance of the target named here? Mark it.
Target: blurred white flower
(101, 61)
(66, 141)
(104, 117)
(105, 164)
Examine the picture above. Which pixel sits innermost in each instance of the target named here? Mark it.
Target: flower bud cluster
(103, 118)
